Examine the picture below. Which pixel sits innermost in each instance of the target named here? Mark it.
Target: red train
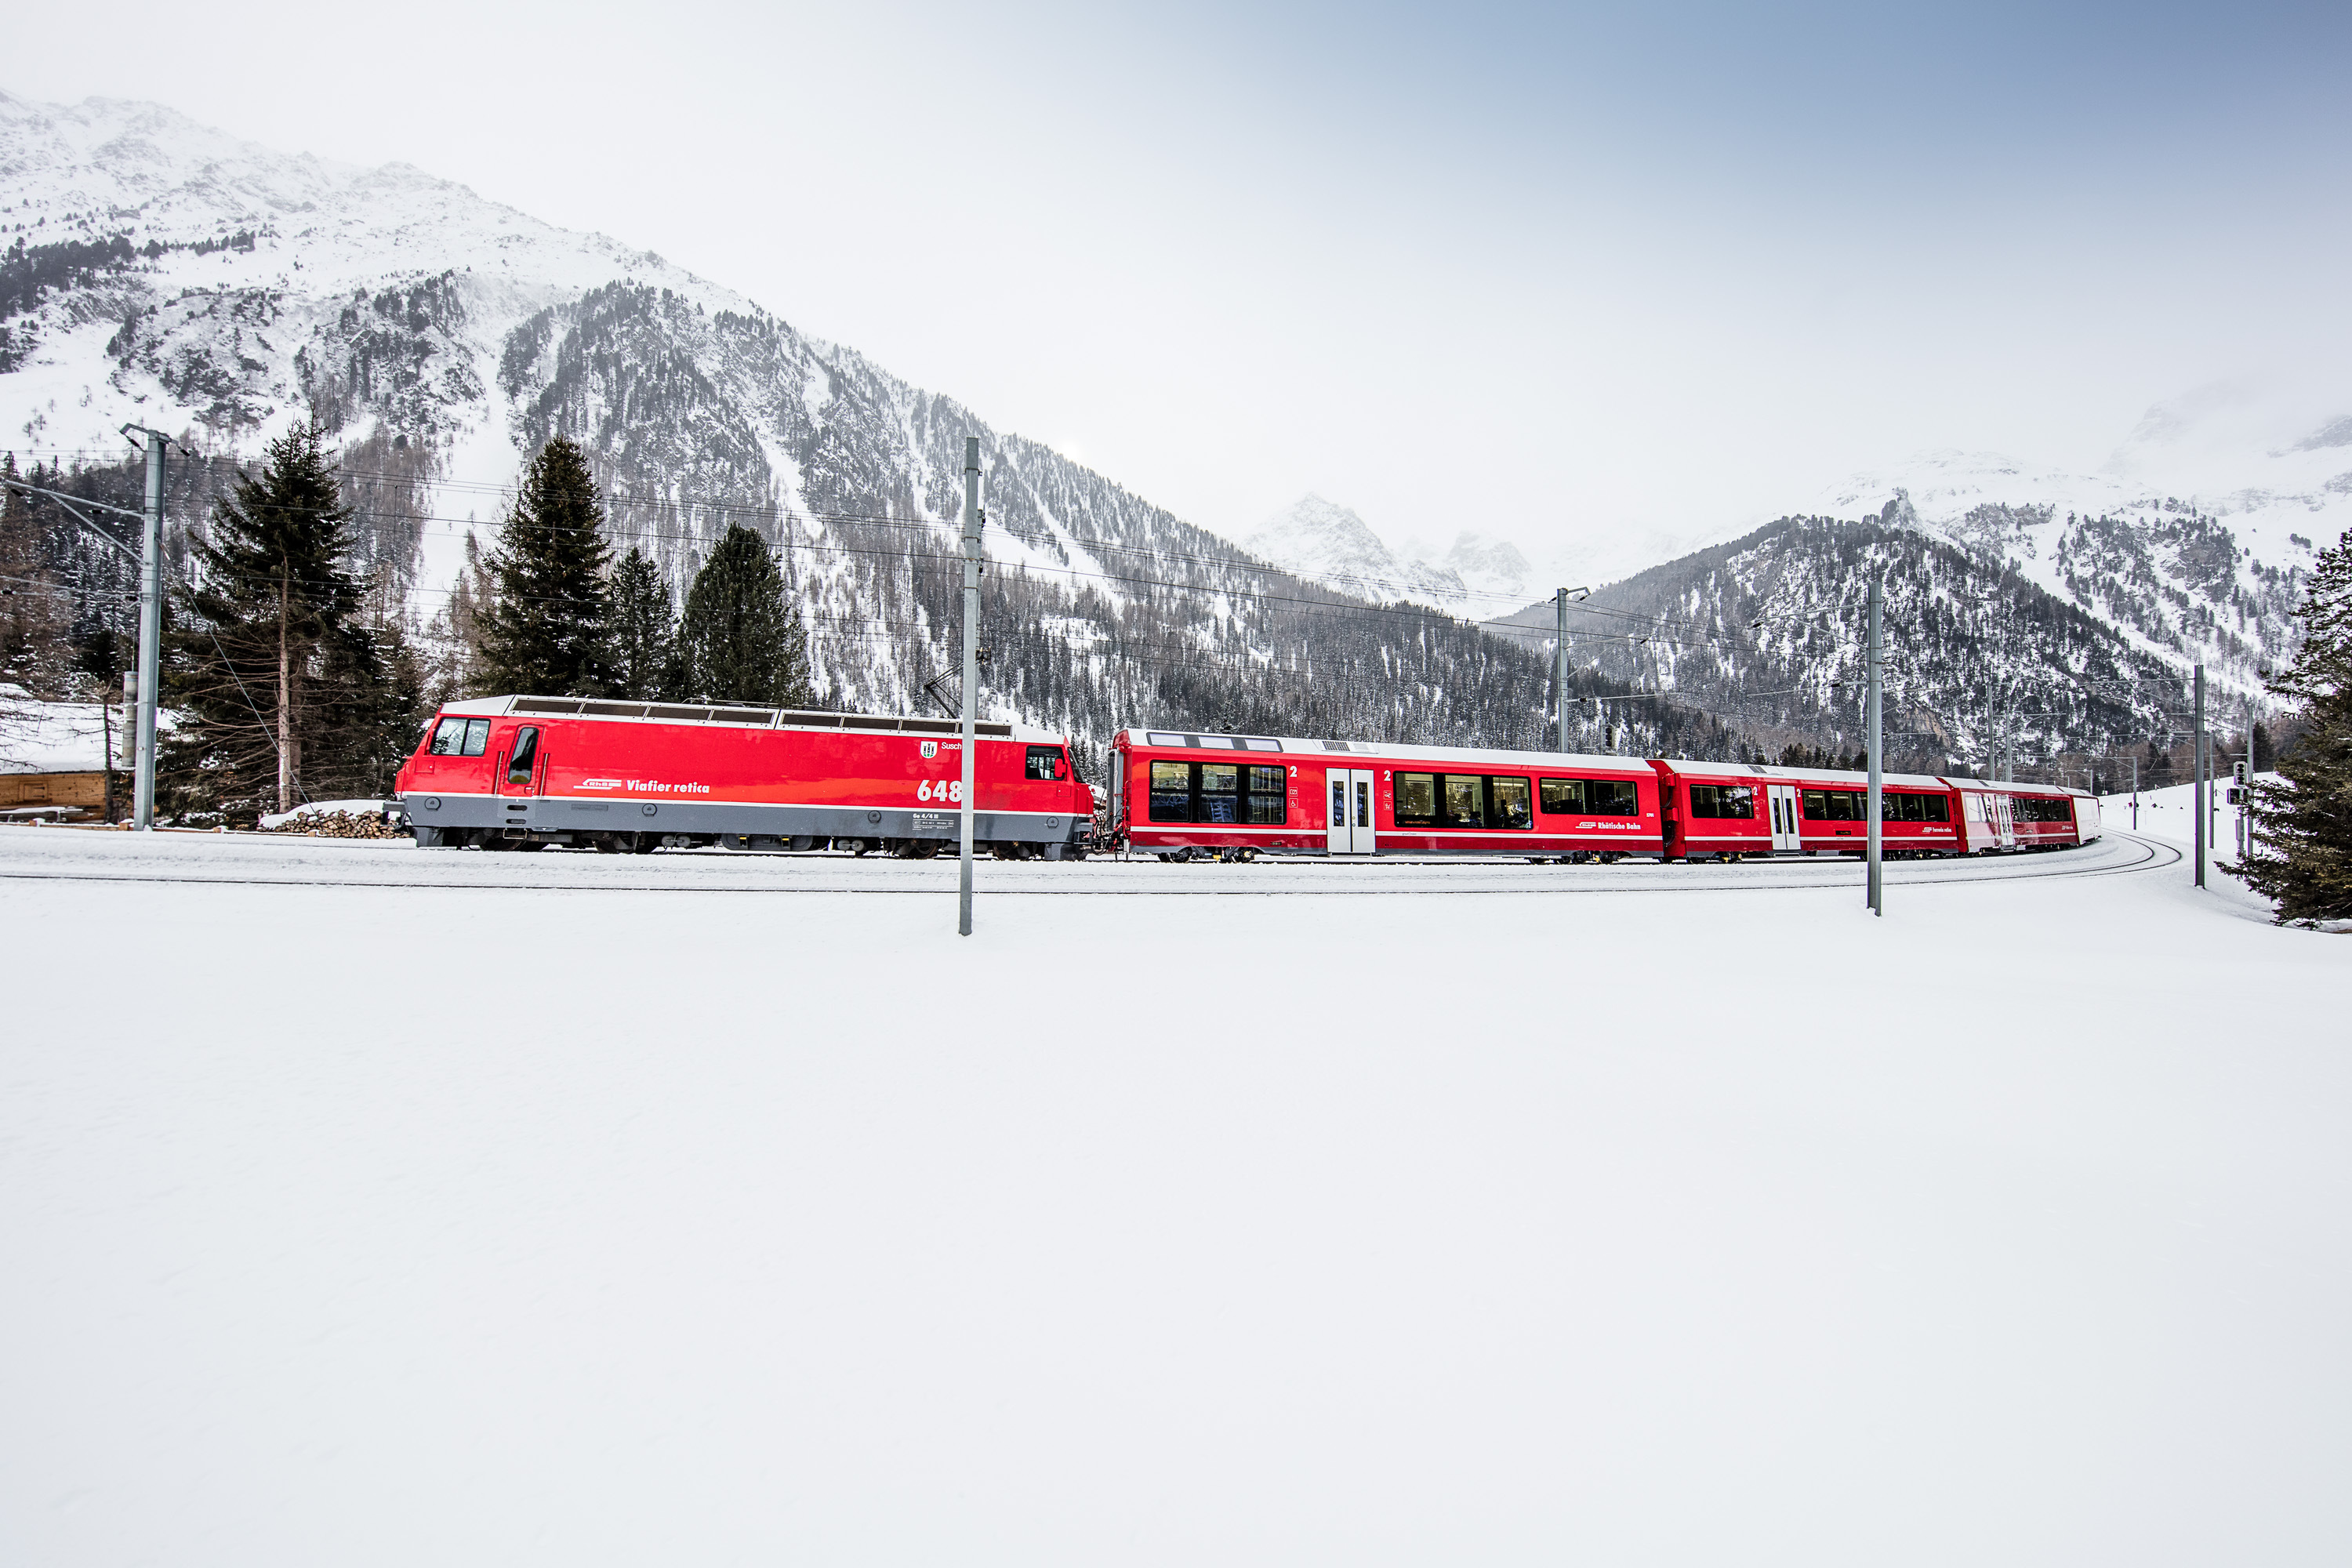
(1181, 795)
(523, 773)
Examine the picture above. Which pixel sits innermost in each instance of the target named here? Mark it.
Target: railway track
(195, 859)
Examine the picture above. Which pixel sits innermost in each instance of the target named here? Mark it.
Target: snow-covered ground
(573, 1224)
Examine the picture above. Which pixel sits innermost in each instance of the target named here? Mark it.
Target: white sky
(1545, 274)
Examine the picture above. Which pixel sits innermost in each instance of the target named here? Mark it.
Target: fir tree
(740, 641)
(35, 610)
(544, 629)
(284, 690)
(644, 652)
(2303, 820)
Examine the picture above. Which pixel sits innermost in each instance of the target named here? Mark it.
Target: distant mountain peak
(1330, 544)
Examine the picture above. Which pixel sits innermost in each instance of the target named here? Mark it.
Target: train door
(1349, 826)
(1787, 832)
(521, 775)
(2003, 812)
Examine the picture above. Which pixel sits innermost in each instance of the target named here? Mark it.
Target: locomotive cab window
(460, 738)
(1046, 763)
(526, 754)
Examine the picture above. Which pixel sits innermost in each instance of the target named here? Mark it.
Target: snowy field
(623, 1210)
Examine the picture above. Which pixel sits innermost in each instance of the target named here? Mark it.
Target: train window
(526, 754)
(1416, 800)
(1833, 805)
(1171, 792)
(1046, 762)
(1511, 803)
(1460, 796)
(1595, 797)
(1264, 799)
(461, 738)
(1722, 800)
(1935, 808)
(1221, 786)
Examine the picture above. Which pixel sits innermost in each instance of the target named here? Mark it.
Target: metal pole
(151, 632)
(2196, 776)
(2134, 795)
(971, 526)
(1877, 889)
(1560, 667)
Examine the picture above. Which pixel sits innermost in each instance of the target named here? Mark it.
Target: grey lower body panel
(558, 814)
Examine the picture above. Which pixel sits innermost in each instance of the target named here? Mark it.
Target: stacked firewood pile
(340, 824)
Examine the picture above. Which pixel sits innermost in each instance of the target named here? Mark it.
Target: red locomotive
(1181, 795)
(523, 773)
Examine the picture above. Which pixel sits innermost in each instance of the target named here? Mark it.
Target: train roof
(736, 716)
(1297, 744)
(1791, 775)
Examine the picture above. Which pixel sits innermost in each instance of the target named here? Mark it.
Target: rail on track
(63, 855)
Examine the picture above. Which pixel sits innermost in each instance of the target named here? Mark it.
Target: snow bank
(1705, 1227)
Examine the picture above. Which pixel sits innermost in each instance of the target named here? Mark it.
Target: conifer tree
(644, 652)
(740, 641)
(35, 610)
(284, 690)
(544, 629)
(2303, 820)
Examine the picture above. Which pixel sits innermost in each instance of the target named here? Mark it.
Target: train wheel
(608, 843)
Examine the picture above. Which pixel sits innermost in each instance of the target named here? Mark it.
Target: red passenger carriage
(1181, 794)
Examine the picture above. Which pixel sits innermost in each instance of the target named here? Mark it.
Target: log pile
(340, 824)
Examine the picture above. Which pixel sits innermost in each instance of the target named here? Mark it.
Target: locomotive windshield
(460, 737)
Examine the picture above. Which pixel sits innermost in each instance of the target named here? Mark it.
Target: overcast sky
(1538, 271)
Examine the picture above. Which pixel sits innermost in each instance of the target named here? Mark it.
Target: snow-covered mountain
(1328, 543)
(1476, 576)
(163, 273)
(160, 273)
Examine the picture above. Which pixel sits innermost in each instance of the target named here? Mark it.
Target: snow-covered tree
(2302, 822)
(742, 641)
(287, 690)
(545, 628)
